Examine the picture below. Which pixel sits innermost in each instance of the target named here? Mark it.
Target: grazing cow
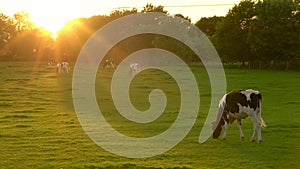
(51, 63)
(238, 105)
(134, 68)
(60, 67)
(109, 64)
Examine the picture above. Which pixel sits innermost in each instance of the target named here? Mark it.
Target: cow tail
(222, 105)
(262, 122)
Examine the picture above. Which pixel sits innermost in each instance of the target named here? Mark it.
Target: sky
(52, 14)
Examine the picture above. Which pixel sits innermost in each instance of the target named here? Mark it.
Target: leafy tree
(231, 35)
(184, 17)
(71, 39)
(120, 13)
(7, 29)
(263, 30)
(208, 24)
(20, 39)
(22, 21)
(30, 45)
(7, 33)
(275, 30)
(151, 8)
(75, 33)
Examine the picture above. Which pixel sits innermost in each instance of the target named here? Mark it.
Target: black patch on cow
(235, 97)
(255, 98)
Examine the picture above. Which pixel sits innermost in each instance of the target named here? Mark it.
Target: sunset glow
(52, 15)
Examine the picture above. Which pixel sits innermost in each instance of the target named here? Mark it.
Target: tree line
(256, 33)
(265, 33)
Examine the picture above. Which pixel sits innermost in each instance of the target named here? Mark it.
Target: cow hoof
(259, 141)
(223, 138)
(252, 140)
(242, 138)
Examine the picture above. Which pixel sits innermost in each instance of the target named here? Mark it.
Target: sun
(52, 20)
(52, 25)
(53, 15)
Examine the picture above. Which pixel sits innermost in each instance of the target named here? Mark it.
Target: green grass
(39, 127)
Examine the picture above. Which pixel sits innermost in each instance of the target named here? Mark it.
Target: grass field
(39, 127)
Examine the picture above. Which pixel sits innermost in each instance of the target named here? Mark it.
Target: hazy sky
(52, 14)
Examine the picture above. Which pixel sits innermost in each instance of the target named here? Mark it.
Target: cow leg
(239, 125)
(259, 138)
(225, 131)
(256, 130)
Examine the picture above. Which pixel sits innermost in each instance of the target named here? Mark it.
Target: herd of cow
(235, 105)
(64, 67)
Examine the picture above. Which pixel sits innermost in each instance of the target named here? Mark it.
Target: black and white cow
(109, 64)
(60, 67)
(237, 105)
(134, 68)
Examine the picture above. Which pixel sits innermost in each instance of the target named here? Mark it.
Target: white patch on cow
(248, 92)
(245, 111)
(241, 115)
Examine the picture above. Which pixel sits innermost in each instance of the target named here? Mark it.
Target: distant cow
(134, 68)
(109, 64)
(237, 105)
(60, 67)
